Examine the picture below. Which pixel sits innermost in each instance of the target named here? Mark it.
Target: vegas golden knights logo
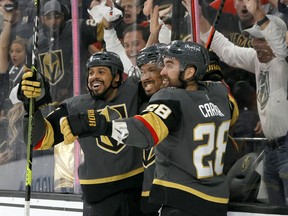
(52, 66)
(148, 157)
(112, 113)
(246, 162)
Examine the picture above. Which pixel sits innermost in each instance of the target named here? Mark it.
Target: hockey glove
(89, 124)
(66, 131)
(34, 87)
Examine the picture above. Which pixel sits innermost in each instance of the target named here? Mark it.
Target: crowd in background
(141, 25)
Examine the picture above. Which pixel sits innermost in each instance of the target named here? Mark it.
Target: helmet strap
(186, 81)
(182, 80)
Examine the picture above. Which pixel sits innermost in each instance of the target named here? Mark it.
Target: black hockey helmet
(151, 54)
(213, 72)
(189, 54)
(109, 59)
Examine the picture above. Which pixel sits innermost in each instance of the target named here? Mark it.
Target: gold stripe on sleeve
(157, 124)
(48, 139)
(235, 110)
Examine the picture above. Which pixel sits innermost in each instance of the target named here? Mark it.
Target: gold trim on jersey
(48, 139)
(112, 178)
(235, 110)
(148, 157)
(112, 112)
(145, 193)
(157, 124)
(191, 190)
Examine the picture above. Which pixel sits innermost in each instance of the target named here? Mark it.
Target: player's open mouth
(96, 85)
(133, 55)
(148, 85)
(165, 82)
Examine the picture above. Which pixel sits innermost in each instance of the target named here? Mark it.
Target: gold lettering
(213, 67)
(91, 118)
(240, 40)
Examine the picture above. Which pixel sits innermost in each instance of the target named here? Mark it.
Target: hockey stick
(31, 112)
(194, 7)
(212, 32)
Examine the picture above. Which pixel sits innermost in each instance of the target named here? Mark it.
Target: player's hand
(86, 124)
(66, 131)
(36, 87)
(30, 85)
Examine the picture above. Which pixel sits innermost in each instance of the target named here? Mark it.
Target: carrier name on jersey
(209, 110)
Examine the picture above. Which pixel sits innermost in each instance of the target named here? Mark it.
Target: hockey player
(191, 124)
(151, 82)
(111, 174)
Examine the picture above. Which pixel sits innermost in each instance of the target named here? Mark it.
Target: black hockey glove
(34, 87)
(89, 124)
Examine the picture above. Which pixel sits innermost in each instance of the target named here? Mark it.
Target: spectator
(136, 38)
(132, 14)
(99, 45)
(12, 59)
(113, 187)
(184, 181)
(245, 96)
(272, 7)
(55, 49)
(19, 23)
(248, 124)
(267, 60)
(163, 18)
(11, 139)
(282, 7)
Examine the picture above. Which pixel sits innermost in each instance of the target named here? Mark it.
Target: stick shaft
(212, 32)
(31, 113)
(195, 21)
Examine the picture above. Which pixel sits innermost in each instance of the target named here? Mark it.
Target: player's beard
(184, 82)
(105, 93)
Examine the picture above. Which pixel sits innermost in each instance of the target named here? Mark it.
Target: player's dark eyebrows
(151, 65)
(169, 61)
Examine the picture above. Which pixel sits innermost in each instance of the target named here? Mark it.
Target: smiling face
(150, 78)
(133, 43)
(100, 82)
(170, 73)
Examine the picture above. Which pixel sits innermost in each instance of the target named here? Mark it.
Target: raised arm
(154, 27)
(274, 31)
(5, 39)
